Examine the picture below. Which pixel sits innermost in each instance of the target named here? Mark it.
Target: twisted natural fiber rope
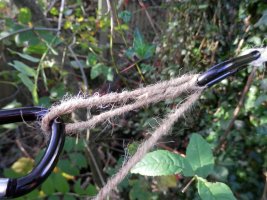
(143, 96)
(163, 129)
(138, 98)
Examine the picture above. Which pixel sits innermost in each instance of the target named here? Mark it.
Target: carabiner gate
(226, 68)
(11, 188)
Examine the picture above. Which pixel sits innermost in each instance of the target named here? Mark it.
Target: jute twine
(125, 102)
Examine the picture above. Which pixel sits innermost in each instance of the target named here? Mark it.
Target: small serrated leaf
(213, 191)
(200, 157)
(159, 163)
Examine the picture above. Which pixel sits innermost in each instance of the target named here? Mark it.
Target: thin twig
(22, 149)
(94, 163)
(60, 16)
(222, 142)
(148, 17)
(188, 184)
(85, 81)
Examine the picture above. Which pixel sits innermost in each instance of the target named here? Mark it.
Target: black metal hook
(226, 68)
(11, 188)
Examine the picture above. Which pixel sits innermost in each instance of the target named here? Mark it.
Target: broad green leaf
(27, 39)
(61, 183)
(24, 69)
(69, 144)
(213, 191)
(54, 11)
(24, 16)
(78, 159)
(199, 156)
(26, 81)
(32, 195)
(78, 188)
(149, 51)
(97, 70)
(48, 186)
(66, 166)
(91, 60)
(108, 73)
(91, 190)
(159, 163)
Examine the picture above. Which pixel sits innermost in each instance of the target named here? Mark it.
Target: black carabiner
(226, 68)
(11, 188)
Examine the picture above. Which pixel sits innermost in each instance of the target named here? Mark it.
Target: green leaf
(24, 69)
(25, 56)
(140, 48)
(91, 60)
(78, 188)
(91, 190)
(138, 39)
(61, 183)
(54, 11)
(149, 51)
(27, 39)
(199, 156)
(78, 159)
(213, 191)
(68, 167)
(263, 20)
(36, 49)
(48, 186)
(24, 16)
(69, 197)
(125, 16)
(26, 81)
(108, 73)
(159, 163)
(96, 70)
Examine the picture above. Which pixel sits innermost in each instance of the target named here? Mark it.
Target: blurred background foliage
(48, 50)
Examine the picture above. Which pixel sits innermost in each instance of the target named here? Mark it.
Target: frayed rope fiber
(127, 101)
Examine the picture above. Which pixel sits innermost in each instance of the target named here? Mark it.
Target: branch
(26, 30)
(222, 142)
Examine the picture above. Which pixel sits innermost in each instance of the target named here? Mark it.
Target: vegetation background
(52, 48)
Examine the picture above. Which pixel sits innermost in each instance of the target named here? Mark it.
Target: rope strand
(127, 101)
